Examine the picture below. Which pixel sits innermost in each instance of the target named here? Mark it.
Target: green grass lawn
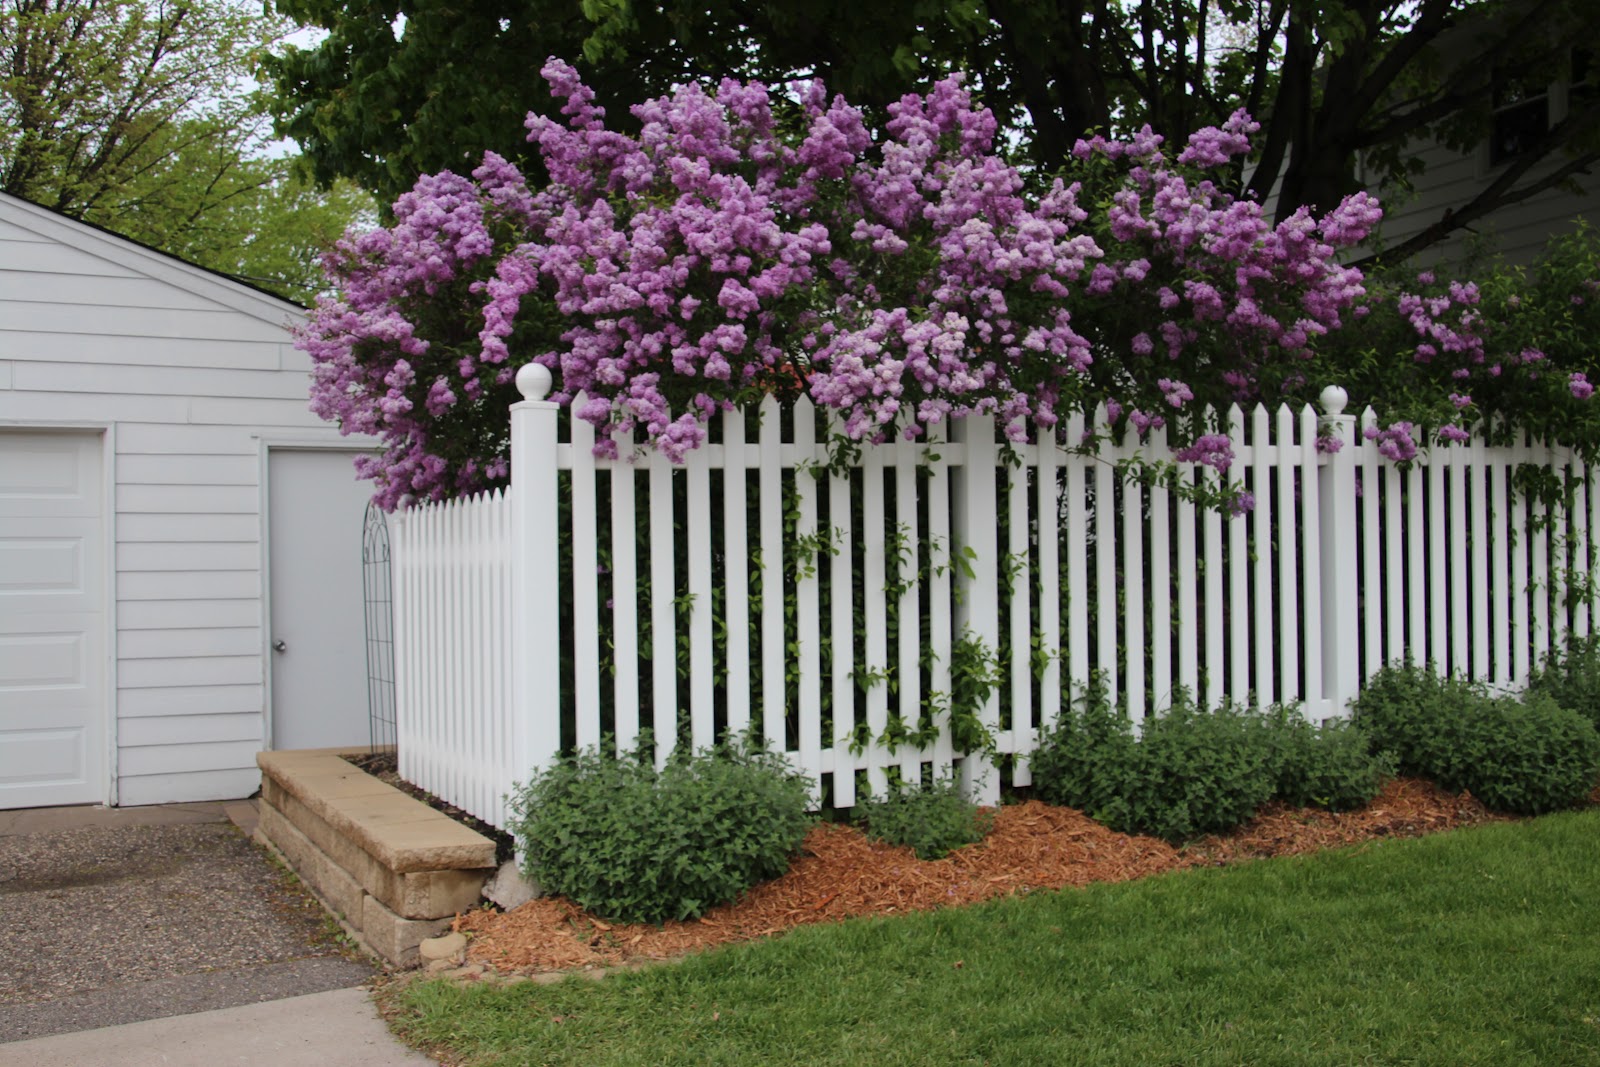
(1480, 946)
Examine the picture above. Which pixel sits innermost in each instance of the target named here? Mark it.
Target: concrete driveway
(115, 916)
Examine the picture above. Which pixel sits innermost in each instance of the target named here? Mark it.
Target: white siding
(191, 372)
(1519, 232)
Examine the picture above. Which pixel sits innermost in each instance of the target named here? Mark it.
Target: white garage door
(52, 620)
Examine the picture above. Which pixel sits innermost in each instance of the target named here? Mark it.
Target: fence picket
(585, 575)
(1188, 567)
(697, 531)
(1458, 540)
(1160, 585)
(1521, 550)
(770, 486)
(1077, 527)
(1578, 560)
(1539, 524)
(842, 586)
(940, 618)
(663, 615)
(1133, 598)
(975, 508)
(1499, 569)
(908, 655)
(1105, 571)
(1560, 545)
(1264, 453)
(1438, 580)
(736, 579)
(1479, 519)
(1394, 561)
(625, 596)
(1020, 572)
(1311, 545)
(1047, 508)
(1238, 574)
(1289, 546)
(808, 636)
(1374, 569)
(874, 576)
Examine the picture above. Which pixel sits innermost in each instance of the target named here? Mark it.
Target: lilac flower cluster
(1473, 353)
(745, 242)
(1395, 441)
(1217, 293)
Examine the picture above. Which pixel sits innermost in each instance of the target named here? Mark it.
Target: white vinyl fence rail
(832, 611)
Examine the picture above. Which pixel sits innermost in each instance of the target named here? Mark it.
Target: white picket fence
(1345, 563)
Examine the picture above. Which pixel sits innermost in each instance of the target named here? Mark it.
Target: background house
(170, 511)
(1525, 109)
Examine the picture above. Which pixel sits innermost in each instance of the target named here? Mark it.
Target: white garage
(180, 561)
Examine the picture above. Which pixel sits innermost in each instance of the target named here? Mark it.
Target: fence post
(974, 526)
(535, 569)
(1339, 535)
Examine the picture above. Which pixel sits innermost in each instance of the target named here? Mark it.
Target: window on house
(1521, 116)
(1583, 87)
(1525, 108)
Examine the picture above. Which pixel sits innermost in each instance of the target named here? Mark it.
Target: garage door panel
(31, 662)
(50, 475)
(34, 762)
(39, 568)
(52, 620)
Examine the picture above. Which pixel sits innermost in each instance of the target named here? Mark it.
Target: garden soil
(1032, 846)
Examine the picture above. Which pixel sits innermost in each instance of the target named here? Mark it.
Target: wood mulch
(1032, 846)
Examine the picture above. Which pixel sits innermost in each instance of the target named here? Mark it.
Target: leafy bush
(636, 844)
(1571, 677)
(1408, 710)
(1330, 766)
(1087, 758)
(1523, 756)
(1195, 772)
(933, 819)
(1191, 771)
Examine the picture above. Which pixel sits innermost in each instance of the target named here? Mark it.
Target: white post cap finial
(1333, 400)
(534, 381)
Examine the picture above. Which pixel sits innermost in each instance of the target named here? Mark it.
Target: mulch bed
(1032, 846)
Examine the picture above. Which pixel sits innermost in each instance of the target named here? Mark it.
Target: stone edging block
(395, 870)
(400, 832)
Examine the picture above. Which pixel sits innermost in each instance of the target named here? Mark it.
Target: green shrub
(636, 844)
(1087, 757)
(1330, 766)
(1525, 757)
(1411, 712)
(933, 820)
(1190, 772)
(1571, 677)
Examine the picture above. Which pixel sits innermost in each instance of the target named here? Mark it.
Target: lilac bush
(746, 242)
(1512, 353)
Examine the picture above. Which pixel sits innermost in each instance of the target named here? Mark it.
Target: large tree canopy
(141, 116)
(399, 90)
(126, 102)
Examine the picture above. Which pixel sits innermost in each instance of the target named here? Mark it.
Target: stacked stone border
(391, 868)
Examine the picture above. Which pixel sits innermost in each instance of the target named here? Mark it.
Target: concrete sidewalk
(340, 1028)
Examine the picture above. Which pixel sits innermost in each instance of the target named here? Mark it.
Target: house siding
(1519, 232)
(193, 373)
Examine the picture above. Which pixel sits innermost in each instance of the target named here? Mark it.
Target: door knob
(279, 646)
